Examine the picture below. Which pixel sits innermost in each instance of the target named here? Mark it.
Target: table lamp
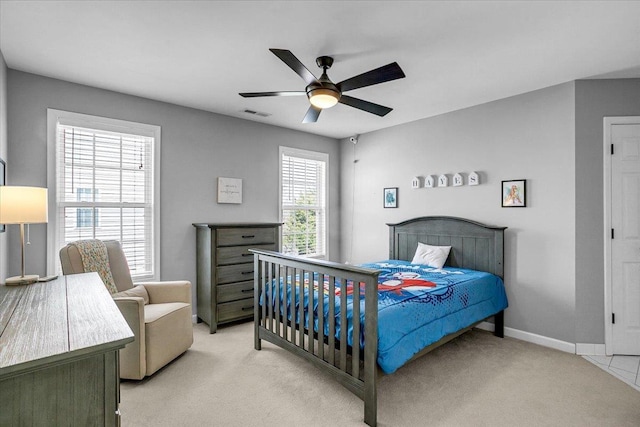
(23, 205)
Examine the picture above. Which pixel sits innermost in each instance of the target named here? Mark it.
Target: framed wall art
(391, 197)
(514, 193)
(229, 190)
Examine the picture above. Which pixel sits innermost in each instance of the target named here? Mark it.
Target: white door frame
(608, 122)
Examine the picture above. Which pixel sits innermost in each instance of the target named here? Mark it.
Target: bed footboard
(300, 328)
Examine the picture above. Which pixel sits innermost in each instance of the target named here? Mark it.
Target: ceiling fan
(323, 93)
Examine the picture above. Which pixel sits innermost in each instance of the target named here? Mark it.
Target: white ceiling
(202, 53)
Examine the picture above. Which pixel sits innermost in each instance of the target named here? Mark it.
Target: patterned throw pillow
(95, 258)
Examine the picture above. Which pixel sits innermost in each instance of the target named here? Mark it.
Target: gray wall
(197, 147)
(595, 99)
(3, 154)
(551, 137)
(527, 136)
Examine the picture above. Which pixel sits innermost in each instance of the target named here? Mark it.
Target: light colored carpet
(475, 380)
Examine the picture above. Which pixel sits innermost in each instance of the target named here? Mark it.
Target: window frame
(309, 155)
(104, 124)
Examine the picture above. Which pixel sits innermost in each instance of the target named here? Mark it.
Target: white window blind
(304, 202)
(105, 190)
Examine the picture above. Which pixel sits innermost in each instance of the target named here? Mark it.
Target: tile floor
(625, 368)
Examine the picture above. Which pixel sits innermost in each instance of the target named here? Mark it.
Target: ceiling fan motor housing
(324, 88)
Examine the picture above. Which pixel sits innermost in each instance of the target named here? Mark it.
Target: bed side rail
(281, 325)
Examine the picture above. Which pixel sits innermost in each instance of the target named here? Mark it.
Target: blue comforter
(417, 306)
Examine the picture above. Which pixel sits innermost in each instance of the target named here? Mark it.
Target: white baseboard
(584, 349)
(194, 319)
(567, 347)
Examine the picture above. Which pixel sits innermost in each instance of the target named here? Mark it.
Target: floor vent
(256, 113)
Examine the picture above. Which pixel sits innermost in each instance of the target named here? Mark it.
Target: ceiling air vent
(256, 113)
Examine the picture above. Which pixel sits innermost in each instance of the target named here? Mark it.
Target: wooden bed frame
(473, 245)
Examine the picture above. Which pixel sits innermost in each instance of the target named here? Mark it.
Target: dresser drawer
(245, 236)
(235, 291)
(234, 273)
(239, 254)
(229, 311)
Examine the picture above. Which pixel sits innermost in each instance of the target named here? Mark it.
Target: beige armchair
(159, 314)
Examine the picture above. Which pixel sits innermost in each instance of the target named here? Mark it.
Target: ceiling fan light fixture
(323, 93)
(323, 97)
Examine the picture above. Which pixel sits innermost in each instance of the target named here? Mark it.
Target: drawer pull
(247, 272)
(247, 308)
(248, 236)
(244, 291)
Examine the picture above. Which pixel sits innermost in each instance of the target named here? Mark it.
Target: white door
(625, 239)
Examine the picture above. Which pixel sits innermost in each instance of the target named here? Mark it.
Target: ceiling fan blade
(369, 107)
(257, 94)
(312, 114)
(294, 63)
(379, 75)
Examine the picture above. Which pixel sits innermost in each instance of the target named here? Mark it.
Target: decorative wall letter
(415, 182)
(474, 179)
(429, 181)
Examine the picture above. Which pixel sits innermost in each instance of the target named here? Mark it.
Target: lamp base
(22, 280)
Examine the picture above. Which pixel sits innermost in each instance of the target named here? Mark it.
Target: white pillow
(433, 256)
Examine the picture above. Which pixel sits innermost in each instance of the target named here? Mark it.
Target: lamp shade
(23, 205)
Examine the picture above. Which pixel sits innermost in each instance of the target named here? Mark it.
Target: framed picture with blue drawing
(514, 193)
(391, 197)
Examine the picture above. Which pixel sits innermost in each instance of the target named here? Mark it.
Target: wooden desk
(59, 345)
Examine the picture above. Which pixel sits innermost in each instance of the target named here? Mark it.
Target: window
(103, 185)
(303, 202)
(85, 215)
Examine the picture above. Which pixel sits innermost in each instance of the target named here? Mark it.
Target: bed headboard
(473, 245)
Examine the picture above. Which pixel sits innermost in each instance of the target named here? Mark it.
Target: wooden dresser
(225, 268)
(59, 347)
